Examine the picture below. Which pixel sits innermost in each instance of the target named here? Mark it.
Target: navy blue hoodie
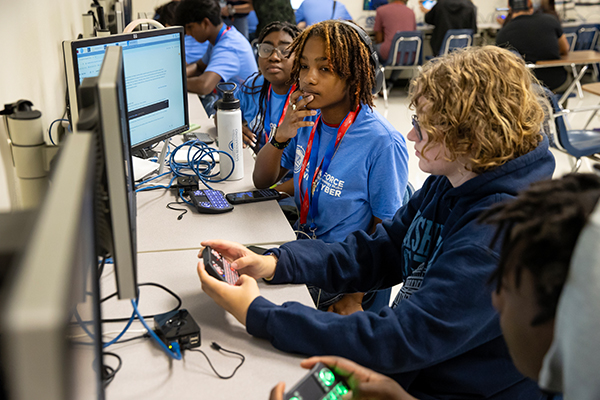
(443, 339)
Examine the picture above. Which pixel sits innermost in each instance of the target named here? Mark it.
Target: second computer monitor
(155, 79)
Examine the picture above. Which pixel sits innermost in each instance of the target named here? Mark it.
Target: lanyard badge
(309, 202)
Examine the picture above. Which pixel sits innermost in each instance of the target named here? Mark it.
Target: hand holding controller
(218, 267)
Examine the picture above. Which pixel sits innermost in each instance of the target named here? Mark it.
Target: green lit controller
(319, 384)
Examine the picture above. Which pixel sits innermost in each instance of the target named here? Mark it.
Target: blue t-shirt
(367, 176)
(232, 57)
(313, 11)
(194, 50)
(249, 107)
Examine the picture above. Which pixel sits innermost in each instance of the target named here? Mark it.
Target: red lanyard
(305, 200)
(267, 119)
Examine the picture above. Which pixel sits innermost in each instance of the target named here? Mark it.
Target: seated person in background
(268, 11)
(546, 292)
(477, 131)
(536, 37)
(229, 57)
(392, 18)
(351, 160)
(264, 96)
(235, 13)
(312, 11)
(449, 14)
(539, 6)
(194, 50)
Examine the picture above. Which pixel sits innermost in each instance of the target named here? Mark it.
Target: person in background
(389, 19)
(545, 291)
(229, 57)
(536, 37)
(477, 132)
(268, 11)
(449, 14)
(194, 50)
(539, 6)
(235, 13)
(312, 11)
(252, 24)
(264, 96)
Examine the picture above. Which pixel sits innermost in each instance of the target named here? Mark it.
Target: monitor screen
(155, 79)
(51, 285)
(102, 112)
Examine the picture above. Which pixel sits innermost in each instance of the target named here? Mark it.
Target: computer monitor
(49, 272)
(102, 102)
(155, 77)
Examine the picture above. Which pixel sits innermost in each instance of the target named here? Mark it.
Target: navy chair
(577, 143)
(456, 39)
(406, 53)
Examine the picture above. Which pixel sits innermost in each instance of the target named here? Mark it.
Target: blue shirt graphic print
(420, 248)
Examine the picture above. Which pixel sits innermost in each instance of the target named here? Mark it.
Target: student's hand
(234, 299)
(294, 117)
(349, 304)
(243, 260)
(423, 9)
(249, 137)
(277, 392)
(364, 383)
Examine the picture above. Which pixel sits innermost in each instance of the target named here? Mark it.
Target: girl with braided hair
(263, 96)
(349, 164)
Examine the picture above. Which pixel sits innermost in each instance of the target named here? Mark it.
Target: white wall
(32, 68)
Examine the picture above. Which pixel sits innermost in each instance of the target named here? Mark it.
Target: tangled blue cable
(200, 162)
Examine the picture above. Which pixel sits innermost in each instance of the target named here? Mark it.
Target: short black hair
(165, 14)
(189, 11)
(539, 230)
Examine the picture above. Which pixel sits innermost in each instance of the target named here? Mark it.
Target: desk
(573, 58)
(148, 373)
(255, 223)
(167, 254)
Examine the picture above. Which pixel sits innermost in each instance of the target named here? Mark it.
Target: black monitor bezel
(76, 44)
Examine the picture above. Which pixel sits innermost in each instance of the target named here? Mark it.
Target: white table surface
(255, 223)
(147, 373)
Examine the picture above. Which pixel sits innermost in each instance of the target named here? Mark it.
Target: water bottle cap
(228, 102)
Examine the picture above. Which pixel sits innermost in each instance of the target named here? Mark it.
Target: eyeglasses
(265, 50)
(415, 124)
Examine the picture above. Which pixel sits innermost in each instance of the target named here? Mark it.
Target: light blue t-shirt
(313, 11)
(194, 50)
(232, 57)
(249, 105)
(367, 175)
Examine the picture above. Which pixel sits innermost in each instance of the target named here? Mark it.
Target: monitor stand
(163, 156)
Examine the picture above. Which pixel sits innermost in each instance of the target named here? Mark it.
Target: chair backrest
(587, 36)
(561, 127)
(456, 39)
(406, 49)
(571, 39)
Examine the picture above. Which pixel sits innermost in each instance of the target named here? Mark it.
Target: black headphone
(373, 54)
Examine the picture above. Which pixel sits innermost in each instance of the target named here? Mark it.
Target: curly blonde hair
(480, 104)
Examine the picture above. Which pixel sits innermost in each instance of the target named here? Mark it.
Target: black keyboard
(209, 201)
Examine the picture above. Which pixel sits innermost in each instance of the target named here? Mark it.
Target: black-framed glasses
(415, 124)
(265, 50)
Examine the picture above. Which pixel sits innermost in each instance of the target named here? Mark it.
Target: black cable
(101, 267)
(177, 209)
(108, 372)
(219, 348)
(179, 302)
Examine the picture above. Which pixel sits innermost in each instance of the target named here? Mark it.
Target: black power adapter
(177, 326)
(186, 183)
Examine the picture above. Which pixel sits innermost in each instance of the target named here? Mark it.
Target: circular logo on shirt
(298, 160)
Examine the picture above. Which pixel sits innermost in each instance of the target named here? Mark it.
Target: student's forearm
(199, 86)
(379, 37)
(194, 69)
(267, 168)
(287, 187)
